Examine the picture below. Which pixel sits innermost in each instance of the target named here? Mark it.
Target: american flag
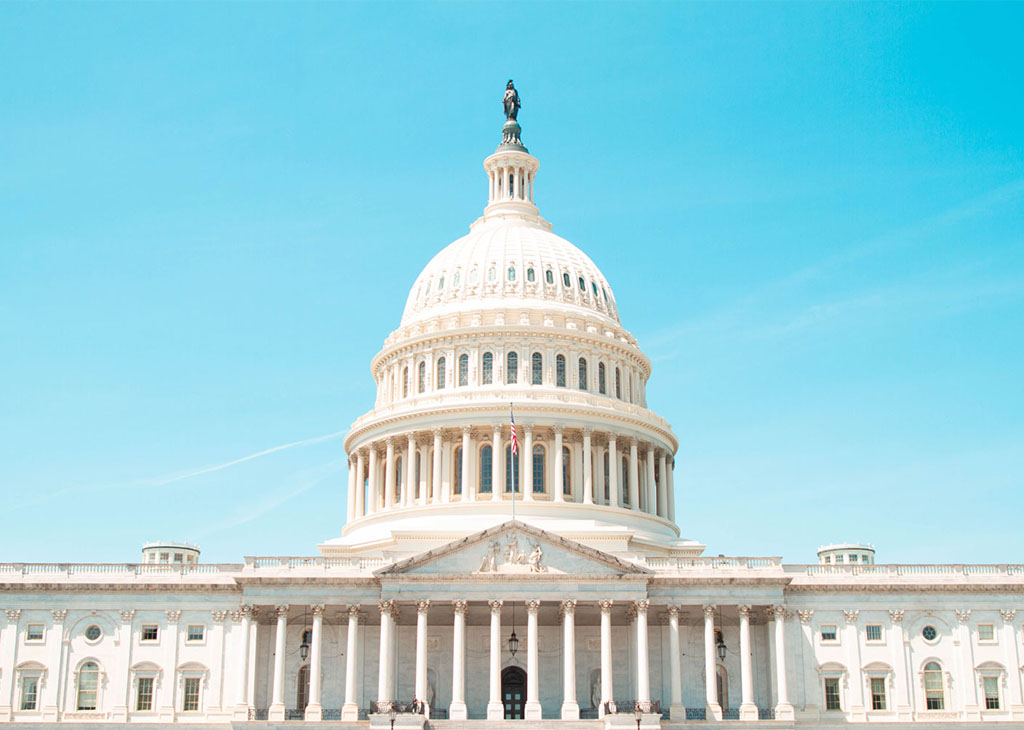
(515, 441)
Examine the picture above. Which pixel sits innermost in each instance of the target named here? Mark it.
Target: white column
(527, 479)
(570, 708)
(350, 710)
(351, 489)
(652, 486)
(421, 654)
(435, 485)
(386, 672)
(643, 664)
(588, 469)
(533, 710)
(497, 468)
(634, 476)
(783, 708)
(606, 655)
(467, 491)
(714, 710)
(968, 681)
(613, 472)
(373, 496)
(276, 713)
(457, 709)
(360, 484)
(671, 490)
(495, 708)
(676, 710)
(748, 710)
(662, 486)
(855, 691)
(1010, 644)
(901, 702)
(409, 488)
(314, 709)
(241, 618)
(559, 467)
(389, 475)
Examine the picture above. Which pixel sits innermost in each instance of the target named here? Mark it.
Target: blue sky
(812, 217)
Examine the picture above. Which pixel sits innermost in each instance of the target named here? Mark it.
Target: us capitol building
(474, 583)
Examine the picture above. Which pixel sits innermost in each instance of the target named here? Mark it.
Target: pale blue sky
(812, 217)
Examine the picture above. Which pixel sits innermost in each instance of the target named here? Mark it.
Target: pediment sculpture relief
(512, 558)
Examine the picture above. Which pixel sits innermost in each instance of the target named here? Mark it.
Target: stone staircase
(551, 724)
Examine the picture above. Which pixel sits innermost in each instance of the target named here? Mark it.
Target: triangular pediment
(513, 548)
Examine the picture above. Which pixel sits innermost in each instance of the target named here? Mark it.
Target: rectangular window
(851, 558)
(991, 685)
(832, 693)
(29, 692)
(190, 697)
(34, 632)
(873, 632)
(986, 632)
(878, 693)
(144, 695)
(150, 632)
(195, 632)
(828, 632)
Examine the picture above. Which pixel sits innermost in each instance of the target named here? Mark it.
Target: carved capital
(672, 611)
(317, 609)
(237, 616)
(558, 429)
(59, 614)
(127, 614)
(353, 612)
(605, 606)
(851, 616)
(642, 605)
(568, 607)
(281, 611)
(496, 607)
(467, 431)
(13, 614)
(1008, 615)
(460, 607)
(805, 615)
(437, 433)
(963, 615)
(532, 606)
(744, 611)
(771, 612)
(219, 616)
(896, 615)
(709, 611)
(173, 616)
(387, 606)
(422, 606)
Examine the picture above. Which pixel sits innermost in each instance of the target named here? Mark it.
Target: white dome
(510, 261)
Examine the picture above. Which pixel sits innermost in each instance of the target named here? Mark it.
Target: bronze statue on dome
(511, 102)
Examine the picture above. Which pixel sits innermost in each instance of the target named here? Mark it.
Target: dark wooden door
(513, 692)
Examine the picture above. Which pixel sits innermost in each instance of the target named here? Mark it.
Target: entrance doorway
(513, 692)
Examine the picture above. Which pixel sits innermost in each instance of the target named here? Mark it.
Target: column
(671, 490)
(965, 657)
(1009, 642)
(606, 656)
(389, 475)
(533, 711)
(526, 477)
(421, 654)
(121, 670)
(714, 710)
(748, 710)
(662, 486)
(643, 664)
(570, 708)
(783, 708)
(588, 469)
(559, 467)
(855, 692)
(495, 708)
(677, 712)
(276, 713)
(634, 476)
(409, 488)
(351, 489)
(468, 492)
(360, 484)
(314, 710)
(497, 467)
(613, 472)
(387, 672)
(901, 702)
(652, 487)
(599, 475)
(241, 618)
(373, 497)
(457, 709)
(350, 710)
(435, 481)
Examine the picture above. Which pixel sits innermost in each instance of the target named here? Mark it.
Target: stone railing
(629, 707)
(706, 563)
(1000, 569)
(316, 562)
(112, 569)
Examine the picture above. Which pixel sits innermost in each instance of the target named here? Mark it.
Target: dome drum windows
(463, 370)
(565, 279)
(600, 379)
(549, 276)
(512, 368)
(583, 374)
(486, 469)
(560, 371)
(538, 469)
(421, 377)
(440, 373)
(487, 370)
(536, 369)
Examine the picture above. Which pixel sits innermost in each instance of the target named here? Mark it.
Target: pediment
(513, 548)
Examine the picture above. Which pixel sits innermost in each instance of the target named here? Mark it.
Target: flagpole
(514, 453)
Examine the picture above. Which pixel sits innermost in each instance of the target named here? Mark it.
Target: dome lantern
(511, 169)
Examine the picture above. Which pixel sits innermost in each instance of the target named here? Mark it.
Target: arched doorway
(513, 692)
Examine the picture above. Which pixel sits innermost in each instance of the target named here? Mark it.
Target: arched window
(538, 469)
(565, 279)
(618, 384)
(457, 466)
(560, 371)
(537, 369)
(600, 378)
(583, 284)
(88, 686)
(440, 284)
(624, 481)
(405, 382)
(512, 368)
(934, 695)
(511, 470)
(530, 275)
(607, 489)
(592, 286)
(492, 274)
(440, 372)
(583, 374)
(455, 282)
(566, 471)
(463, 370)
(486, 473)
(549, 277)
(302, 688)
(511, 273)
(487, 371)
(422, 377)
